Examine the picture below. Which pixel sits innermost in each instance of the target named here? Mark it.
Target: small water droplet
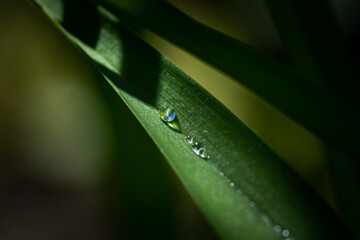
(252, 204)
(167, 114)
(200, 150)
(277, 228)
(232, 184)
(221, 174)
(285, 233)
(189, 139)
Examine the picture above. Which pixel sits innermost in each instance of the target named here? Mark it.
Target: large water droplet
(167, 114)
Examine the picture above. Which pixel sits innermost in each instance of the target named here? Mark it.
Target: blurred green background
(75, 163)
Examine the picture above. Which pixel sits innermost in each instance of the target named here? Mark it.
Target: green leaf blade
(146, 80)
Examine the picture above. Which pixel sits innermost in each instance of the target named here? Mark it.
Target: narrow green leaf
(281, 86)
(244, 189)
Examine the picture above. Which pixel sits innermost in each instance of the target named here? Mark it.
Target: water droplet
(221, 174)
(285, 233)
(277, 228)
(167, 114)
(200, 150)
(252, 204)
(232, 184)
(189, 139)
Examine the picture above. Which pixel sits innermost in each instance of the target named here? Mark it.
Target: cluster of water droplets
(282, 232)
(168, 116)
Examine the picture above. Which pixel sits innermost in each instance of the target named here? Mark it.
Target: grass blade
(244, 190)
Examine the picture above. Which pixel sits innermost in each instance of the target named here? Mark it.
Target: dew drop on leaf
(167, 114)
(189, 139)
(200, 150)
(277, 228)
(285, 233)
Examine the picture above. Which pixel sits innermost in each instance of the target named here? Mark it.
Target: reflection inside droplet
(198, 148)
(167, 114)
